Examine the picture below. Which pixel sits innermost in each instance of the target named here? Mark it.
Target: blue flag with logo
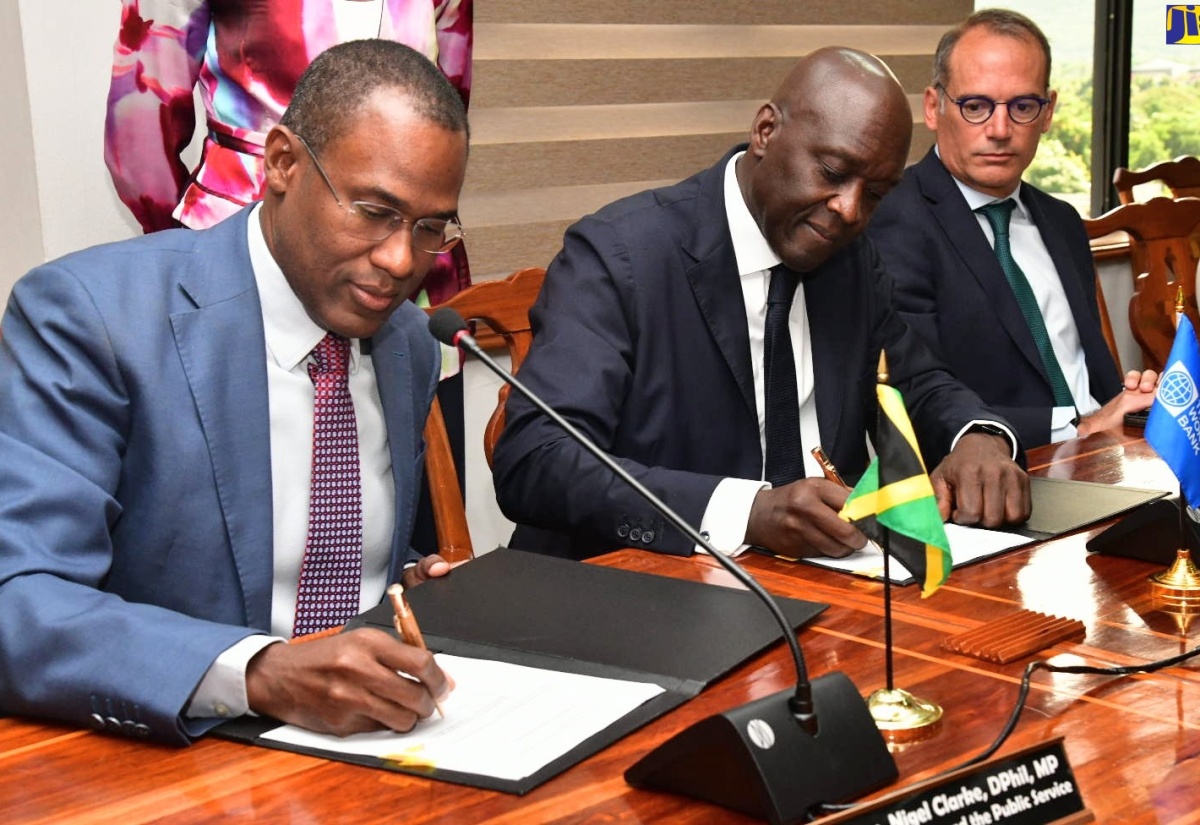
(1173, 428)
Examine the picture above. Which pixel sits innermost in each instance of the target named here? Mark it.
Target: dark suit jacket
(640, 340)
(951, 289)
(135, 485)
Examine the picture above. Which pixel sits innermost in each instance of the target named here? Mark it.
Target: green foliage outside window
(1164, 123)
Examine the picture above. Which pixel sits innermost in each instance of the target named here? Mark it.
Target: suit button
(127, 727)
(635, 534)
(622, 531)
(648, 536)
(112, 724)
(97, 721)
(141, 731)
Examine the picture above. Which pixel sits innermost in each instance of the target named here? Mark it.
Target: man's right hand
(801, 519)
(346, 683)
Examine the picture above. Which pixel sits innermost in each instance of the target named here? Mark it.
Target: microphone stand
(769, 758)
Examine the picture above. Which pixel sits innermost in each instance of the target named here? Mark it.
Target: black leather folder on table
(569, 616)
(1063, 505)
(1060, 506)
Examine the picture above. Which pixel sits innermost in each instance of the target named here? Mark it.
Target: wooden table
(1132, 741)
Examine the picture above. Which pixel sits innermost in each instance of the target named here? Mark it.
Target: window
(1163, 93)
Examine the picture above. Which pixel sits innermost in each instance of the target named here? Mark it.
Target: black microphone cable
(1023, 695)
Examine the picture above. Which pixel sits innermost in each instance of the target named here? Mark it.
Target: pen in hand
(406, 626)
(827, 467)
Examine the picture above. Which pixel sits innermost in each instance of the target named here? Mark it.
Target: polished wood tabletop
(1132, 741)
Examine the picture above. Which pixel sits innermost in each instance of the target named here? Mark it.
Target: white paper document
(502, 720)
(966, 544)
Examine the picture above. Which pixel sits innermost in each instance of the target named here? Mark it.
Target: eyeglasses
(978, 109)
(375, 222)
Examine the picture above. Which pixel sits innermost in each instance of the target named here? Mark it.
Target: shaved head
(829, 145)
(819, 80)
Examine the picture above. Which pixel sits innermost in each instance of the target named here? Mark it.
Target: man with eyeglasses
(995, 274)
(212, 439)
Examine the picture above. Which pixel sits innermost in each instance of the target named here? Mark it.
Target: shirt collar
(976, 199)
(291, 335)
(750, 248)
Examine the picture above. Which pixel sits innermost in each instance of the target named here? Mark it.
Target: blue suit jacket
(951, 289)
(641, 341)
(135, 484)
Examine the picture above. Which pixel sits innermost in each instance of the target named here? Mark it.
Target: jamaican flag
(895, 495)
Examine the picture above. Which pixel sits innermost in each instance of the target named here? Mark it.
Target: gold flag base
(1177, 587)
(1176, 590)
(898, 710)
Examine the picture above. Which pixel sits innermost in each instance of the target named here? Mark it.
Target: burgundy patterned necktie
(331, 572)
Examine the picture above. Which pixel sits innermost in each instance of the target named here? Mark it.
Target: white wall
(68, 55)
(20, 217)
(488, 526)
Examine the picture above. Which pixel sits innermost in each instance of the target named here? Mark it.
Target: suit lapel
(711, 270)
(1087, 324)
(833, 335)
(393, 374)
(221, 347)
(962, 230)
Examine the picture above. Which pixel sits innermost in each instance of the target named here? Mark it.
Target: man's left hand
(429, 567)
(1136, 395)
(979, 483)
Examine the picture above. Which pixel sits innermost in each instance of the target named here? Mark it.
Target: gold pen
(406, 625)
(827, 467)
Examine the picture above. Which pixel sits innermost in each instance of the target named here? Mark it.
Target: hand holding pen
(827, 467)
(801, 519)
(406, 625)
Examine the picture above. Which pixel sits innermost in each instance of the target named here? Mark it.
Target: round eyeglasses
(978, 109)
(375, 222)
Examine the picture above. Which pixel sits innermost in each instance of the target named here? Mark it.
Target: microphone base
(756, 759)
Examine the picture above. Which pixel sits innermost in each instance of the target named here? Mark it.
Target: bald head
(832, 141)
(823, 80)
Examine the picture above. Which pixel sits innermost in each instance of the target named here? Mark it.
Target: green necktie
(998, 215)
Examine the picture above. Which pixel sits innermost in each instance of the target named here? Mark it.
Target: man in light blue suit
(156, 421)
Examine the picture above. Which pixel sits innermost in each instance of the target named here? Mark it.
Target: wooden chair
(504, 307)
(1181, 176)
(1164, 250)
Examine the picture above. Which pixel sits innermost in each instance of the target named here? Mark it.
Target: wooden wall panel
(578, 102)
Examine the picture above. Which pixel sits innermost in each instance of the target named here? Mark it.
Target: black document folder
(1064, 506)
(1060, 506)
(568, 616)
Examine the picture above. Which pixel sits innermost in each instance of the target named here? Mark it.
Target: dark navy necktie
(784, 456)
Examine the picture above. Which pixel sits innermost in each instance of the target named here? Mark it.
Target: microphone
(775, 758)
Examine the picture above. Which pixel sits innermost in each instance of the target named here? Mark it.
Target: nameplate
(1034, 786)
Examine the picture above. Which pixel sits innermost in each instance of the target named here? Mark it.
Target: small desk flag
(1173, 428)
(895, 495)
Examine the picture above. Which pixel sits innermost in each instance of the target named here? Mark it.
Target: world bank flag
(1173, 428)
